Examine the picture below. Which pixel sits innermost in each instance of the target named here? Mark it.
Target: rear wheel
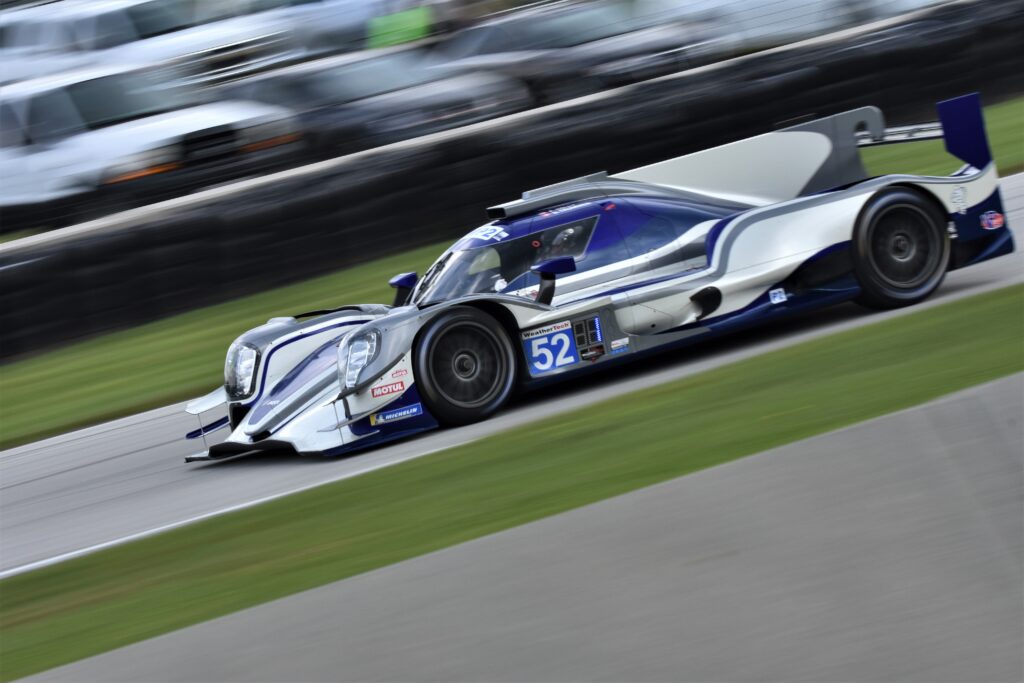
(901, 249)
(465, 366)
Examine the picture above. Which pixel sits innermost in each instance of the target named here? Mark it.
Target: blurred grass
(93, 604)
(181, 357)
(1005, 124)
(17, 235)
(170, 360)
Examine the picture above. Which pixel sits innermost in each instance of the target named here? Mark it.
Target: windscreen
(368, 78)
(122, 97)
(153, 19)
(543, 31)
(502, 267)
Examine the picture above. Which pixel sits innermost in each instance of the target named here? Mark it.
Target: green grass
(17, 235)
(86, 606)
(1005, 124)
(170, 360)
(181, 357)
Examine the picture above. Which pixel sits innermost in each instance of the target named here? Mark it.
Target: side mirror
(403, 284)
(548, 270)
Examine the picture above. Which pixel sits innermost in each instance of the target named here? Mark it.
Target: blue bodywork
(621, 231)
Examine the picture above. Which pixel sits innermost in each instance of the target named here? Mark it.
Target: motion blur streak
(125, 479)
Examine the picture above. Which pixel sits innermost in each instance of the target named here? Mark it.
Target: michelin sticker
(403, 413)
(550, 347)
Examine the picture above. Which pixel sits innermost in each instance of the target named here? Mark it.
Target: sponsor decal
(992, 220)
(548, 329)
(403, 413)
(620, 345)
(400, 372)
(388, 389)
(550, 347)
(959, 199)
(488, 232)
(777, 296)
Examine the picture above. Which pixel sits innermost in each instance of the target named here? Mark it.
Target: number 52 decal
(550, 348)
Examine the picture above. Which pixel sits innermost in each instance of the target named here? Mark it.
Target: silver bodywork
(650, 301)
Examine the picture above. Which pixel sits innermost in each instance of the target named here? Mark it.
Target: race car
(593, 272)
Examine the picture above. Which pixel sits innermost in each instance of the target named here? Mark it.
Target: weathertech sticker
(551, 347)
(388, 389)
(548, 329)
(397, 414)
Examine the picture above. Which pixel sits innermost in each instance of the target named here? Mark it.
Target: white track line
(39, 564)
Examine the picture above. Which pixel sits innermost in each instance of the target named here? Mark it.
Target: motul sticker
(388, 389)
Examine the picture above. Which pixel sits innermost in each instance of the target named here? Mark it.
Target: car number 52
(552, 351)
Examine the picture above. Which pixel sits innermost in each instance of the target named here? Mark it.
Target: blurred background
(112, 104)
(174, 172)
(161, 156)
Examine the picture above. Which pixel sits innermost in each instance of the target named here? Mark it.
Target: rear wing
(815, 156)
(961, 125)
(893, 136)
(811, 157)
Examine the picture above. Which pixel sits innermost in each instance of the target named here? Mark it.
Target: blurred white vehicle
(100, 139)
(190, 46)
(20, 62)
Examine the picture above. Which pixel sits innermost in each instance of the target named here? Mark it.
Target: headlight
(354, 354)
(144, 163)
(240, 370)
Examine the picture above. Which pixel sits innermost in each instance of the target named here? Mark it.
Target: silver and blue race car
(596, 271)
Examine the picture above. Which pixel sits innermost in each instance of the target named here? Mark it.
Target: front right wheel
(465, 365)
(900, 249)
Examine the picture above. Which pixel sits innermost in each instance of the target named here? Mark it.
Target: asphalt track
(89, 489)
(892, 550)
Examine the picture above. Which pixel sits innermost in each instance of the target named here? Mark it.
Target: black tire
(465, 366)
(900, 249)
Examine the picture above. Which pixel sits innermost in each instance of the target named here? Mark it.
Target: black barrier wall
(389, 200)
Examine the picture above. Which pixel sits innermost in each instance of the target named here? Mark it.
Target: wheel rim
(467, 365)
(905, 247)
